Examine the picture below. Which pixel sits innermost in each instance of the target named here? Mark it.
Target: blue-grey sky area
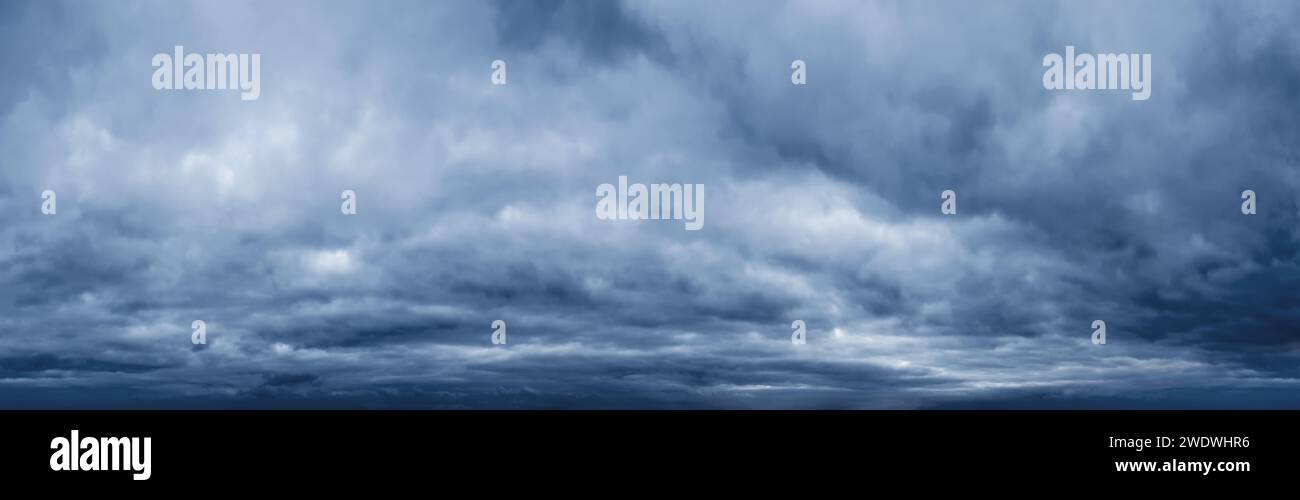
(476, 202)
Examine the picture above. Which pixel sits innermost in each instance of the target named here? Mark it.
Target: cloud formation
(476, 203)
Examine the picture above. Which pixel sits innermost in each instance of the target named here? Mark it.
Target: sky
(476, 202)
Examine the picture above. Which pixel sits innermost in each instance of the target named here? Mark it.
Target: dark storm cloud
(285, 379)
(32, 365)
(604, 32)
(37, 42)
(475, 203)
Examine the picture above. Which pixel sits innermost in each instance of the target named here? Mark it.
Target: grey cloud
(476, 204)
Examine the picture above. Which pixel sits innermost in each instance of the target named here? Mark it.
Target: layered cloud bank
(476, 202)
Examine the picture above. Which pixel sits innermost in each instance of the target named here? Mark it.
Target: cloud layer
(476, 203)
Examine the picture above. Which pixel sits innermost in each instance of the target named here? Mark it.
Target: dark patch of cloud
(37, 364)
(602, 31)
